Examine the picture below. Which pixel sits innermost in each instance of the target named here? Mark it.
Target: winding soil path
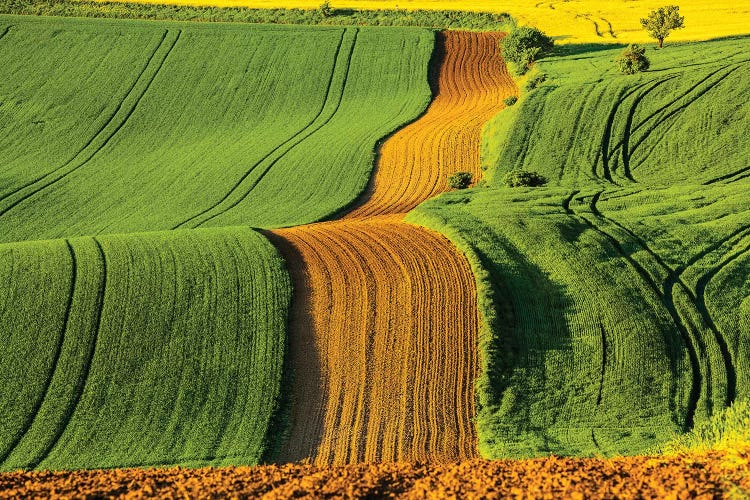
(384, 327)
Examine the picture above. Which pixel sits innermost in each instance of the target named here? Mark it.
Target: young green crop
(615, 302)
(213, 125)
(153, 349)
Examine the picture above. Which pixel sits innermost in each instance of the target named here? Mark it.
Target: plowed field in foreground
(712, 476)
(383, 336)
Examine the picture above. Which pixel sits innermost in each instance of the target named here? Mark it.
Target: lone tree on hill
(661, 21)
(325, 9)
(633, 60)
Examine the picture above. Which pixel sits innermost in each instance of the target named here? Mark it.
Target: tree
(661, 21)
(525, 45)
(460, 180)
(325, 9)
(633, 60)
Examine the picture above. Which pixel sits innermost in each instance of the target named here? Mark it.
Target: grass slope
(142, 342)
(141, 349)
(590, 125)
(208, 125)
(615, 300)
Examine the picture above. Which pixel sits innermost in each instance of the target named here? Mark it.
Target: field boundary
(418, 18)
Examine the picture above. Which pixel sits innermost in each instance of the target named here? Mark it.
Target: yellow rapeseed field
(571, 21)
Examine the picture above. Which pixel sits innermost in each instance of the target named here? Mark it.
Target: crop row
(140, 349)
(197, 125)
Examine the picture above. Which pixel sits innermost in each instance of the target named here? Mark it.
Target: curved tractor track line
(55, 359)
(695, 354)
(116, 122)
(674, 278)
(334, 95)
(728, 177)
(663, 120)
(5, 31)
(383, 331)
(80, 384)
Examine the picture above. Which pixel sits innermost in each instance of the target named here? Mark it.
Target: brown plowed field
(714, 476)
(384, 327)
(388, 325)
(414, 163)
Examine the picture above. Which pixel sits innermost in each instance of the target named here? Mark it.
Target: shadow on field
(302, 384)
(584, 48)
(529, 329)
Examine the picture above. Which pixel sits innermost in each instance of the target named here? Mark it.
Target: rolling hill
(199, 125)
(142, 340)
(613, 299)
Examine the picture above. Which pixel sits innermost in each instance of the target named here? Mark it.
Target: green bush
(525, 45)
(510, 100)
(460, 180)
(536, 80)
(633, 60)
(524, 178)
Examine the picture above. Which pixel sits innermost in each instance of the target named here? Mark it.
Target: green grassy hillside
(140, 349)
(127, 339)
(615, 299)
(132, 126)
(683, 121)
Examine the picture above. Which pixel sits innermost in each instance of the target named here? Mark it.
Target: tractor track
(106, 137)
(674, 278)
(55, 359)
(277, 153)
(5, 31)
(383, 329)
(671, 114)
(80, 383)
(700, 378)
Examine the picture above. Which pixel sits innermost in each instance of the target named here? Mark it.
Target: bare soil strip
(389, 328)
(414, 163)
(384, 328)
(706, 476)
